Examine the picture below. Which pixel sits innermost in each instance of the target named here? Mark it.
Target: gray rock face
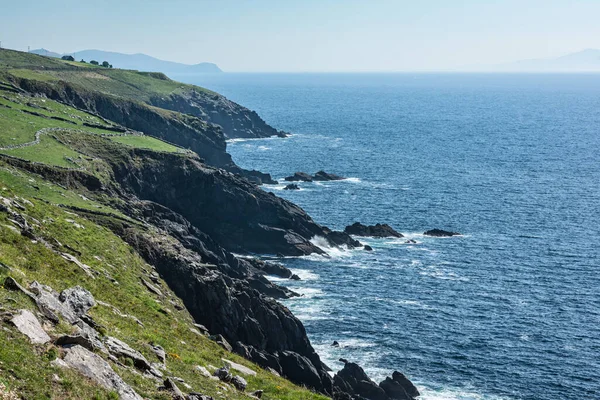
(71, 304)
(28, 324)
(98, 370)
(119, 348)
(239, 368)
(77, 299)
(160, 353)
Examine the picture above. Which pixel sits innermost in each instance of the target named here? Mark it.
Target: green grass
(146, 142)
(131, 84)
(26, 368)
(48, 151)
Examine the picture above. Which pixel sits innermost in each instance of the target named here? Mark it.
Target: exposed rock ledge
(377, 230)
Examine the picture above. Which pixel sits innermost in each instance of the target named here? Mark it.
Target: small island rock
(440, 233)
(378, 230)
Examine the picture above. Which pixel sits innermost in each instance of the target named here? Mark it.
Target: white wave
(440, 273)
(428, 393)
(351, 180)
(263, 148)
(307, 293)
(305, 274)
(240, 140)
(332, 251)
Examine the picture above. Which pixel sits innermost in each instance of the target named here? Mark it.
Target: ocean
(509, 310)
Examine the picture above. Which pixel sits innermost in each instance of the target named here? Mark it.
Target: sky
(309, 35)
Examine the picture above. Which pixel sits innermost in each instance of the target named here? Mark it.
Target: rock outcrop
(353, 381)
(99, 371)
(319, 176)
(440, 233)
(28, 324)
(291, 186)
(377, 230)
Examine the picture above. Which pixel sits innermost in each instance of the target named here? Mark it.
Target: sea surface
(509, 310)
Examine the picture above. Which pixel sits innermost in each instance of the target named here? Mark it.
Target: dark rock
(299, 176)
(271, 268)
(378, 230)
(69, 340)
(257, 393)
(367, 247)
(343, 360)
(406, 383)
(223, 374)
(440, 233)
(298, 368)
(176, 392)
(324, 176)
(335, 344)
(411, 241)
(353, 380)
(292, 186)
(239, 383)
(295, 277)
(221, 341)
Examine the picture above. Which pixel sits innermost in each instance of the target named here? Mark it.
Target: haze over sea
(510, 310)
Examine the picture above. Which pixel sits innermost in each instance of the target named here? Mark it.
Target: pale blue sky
(309, 35)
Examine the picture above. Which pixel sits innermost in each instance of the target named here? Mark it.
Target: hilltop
(136, 61)
(120, 213)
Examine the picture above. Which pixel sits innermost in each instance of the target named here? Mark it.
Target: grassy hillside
(40, 220)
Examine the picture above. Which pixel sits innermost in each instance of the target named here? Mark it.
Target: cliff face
(237, 121)
(190, 216)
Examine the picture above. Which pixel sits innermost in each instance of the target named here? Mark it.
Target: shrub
(94, 62)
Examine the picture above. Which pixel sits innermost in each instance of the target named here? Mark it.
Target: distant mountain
(47, 53)
(140, 62)
(583, 61)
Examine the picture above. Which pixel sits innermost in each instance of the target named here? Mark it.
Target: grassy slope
(26, 368)
(107, 254)
(130, 84)
(18, 126)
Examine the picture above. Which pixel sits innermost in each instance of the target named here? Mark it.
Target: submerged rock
(440, 233)
(292, 186)
(377, 230)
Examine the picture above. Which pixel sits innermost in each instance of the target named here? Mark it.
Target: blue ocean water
(510, 310)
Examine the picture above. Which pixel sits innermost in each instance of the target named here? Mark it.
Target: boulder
(28, 324)
(377, 230)
(367, 247)
(160, 353)
(221, 341)
(299, 177)
(257, 393)
(77, 299)
(440, 233)
(223, 374)
(292, 186)
(239, 383)
(198, 396)
(324, 176)
(238, 367)
(335, 344)
(98, 370)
